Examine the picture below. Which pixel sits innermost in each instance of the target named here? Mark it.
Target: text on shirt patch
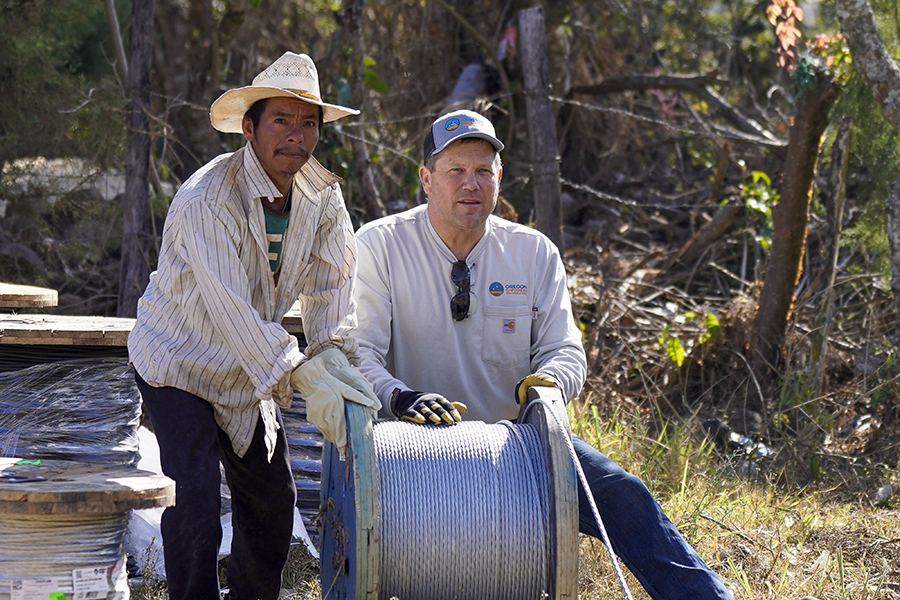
(498, 289)
(509, 325)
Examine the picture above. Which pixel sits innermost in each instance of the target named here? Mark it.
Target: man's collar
(311, 179)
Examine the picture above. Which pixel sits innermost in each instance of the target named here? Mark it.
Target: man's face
(462, 190)
(285, 138)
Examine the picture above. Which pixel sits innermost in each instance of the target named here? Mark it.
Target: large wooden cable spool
(52, 511)
(354, 543)
(26, 296)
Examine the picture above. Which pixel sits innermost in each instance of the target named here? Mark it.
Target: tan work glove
(337, 364)
(536, 380)
(324, 395)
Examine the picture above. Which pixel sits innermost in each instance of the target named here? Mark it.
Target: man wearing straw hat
(457, 305)
(246, 236)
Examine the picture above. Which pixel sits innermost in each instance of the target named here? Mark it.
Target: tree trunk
(892, 210)
(374, 207)
(134, 271)
(186, 66)
(882, 76)
(833, 201)
(870, 58)
(541, 126)
(790, 221)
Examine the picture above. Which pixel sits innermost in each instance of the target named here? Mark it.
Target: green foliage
(712, 328)
(149, 587)
(868, 234)
(685, 33)
(874, 150)
(760, 198)
(58, 90)
(676, 350)
(874, 164)
(375, 83)
(826, 55)
(334, 151)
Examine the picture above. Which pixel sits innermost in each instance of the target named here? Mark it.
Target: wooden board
(26, 296)
(64, 330)
(68, 330)
(292, 320)
(59, 487)
(350, 516)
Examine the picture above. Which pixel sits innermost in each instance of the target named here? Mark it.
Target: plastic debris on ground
(732, 441)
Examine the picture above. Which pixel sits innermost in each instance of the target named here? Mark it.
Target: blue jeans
(263, 494)
(642, 536)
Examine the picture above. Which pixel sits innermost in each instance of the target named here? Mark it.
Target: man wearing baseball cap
(459, 309)
(246, 236)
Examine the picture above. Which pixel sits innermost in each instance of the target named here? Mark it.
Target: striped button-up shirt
(209, 322)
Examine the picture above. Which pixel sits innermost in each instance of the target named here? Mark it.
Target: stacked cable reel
(62, 526)
(421, 512)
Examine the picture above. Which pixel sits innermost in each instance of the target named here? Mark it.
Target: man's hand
(531, 381)
(324, 395)
(420, 408)
(337, 364)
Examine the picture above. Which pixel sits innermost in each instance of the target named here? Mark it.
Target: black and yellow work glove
(421, 408)
(536, 380)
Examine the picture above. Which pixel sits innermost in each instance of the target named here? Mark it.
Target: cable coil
(466, 511)
(54, 550)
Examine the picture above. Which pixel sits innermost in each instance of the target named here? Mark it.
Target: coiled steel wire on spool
(472, 510)
(476, 532)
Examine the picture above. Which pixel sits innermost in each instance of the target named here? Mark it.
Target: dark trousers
(263, 494)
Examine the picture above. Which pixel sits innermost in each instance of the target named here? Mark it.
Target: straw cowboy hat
(291, 76)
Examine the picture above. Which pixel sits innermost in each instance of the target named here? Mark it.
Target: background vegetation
(785, 478)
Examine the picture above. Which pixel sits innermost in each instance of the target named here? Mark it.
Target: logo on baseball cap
(457, 125)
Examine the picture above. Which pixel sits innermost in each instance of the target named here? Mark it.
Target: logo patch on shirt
(496, 289)
(516, 288)
(509, 325)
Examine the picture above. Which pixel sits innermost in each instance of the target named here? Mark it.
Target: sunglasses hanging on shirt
(460, 275)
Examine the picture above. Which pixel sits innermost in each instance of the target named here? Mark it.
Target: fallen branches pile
(668, 340)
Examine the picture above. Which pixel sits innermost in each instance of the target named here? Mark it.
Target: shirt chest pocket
(507, 335)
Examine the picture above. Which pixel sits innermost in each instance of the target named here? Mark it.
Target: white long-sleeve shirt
(209, 322)
(521, 321)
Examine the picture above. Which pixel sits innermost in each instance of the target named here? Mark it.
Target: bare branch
(489, 48)
(698, 85)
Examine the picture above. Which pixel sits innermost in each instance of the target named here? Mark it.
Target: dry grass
(765, 542)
